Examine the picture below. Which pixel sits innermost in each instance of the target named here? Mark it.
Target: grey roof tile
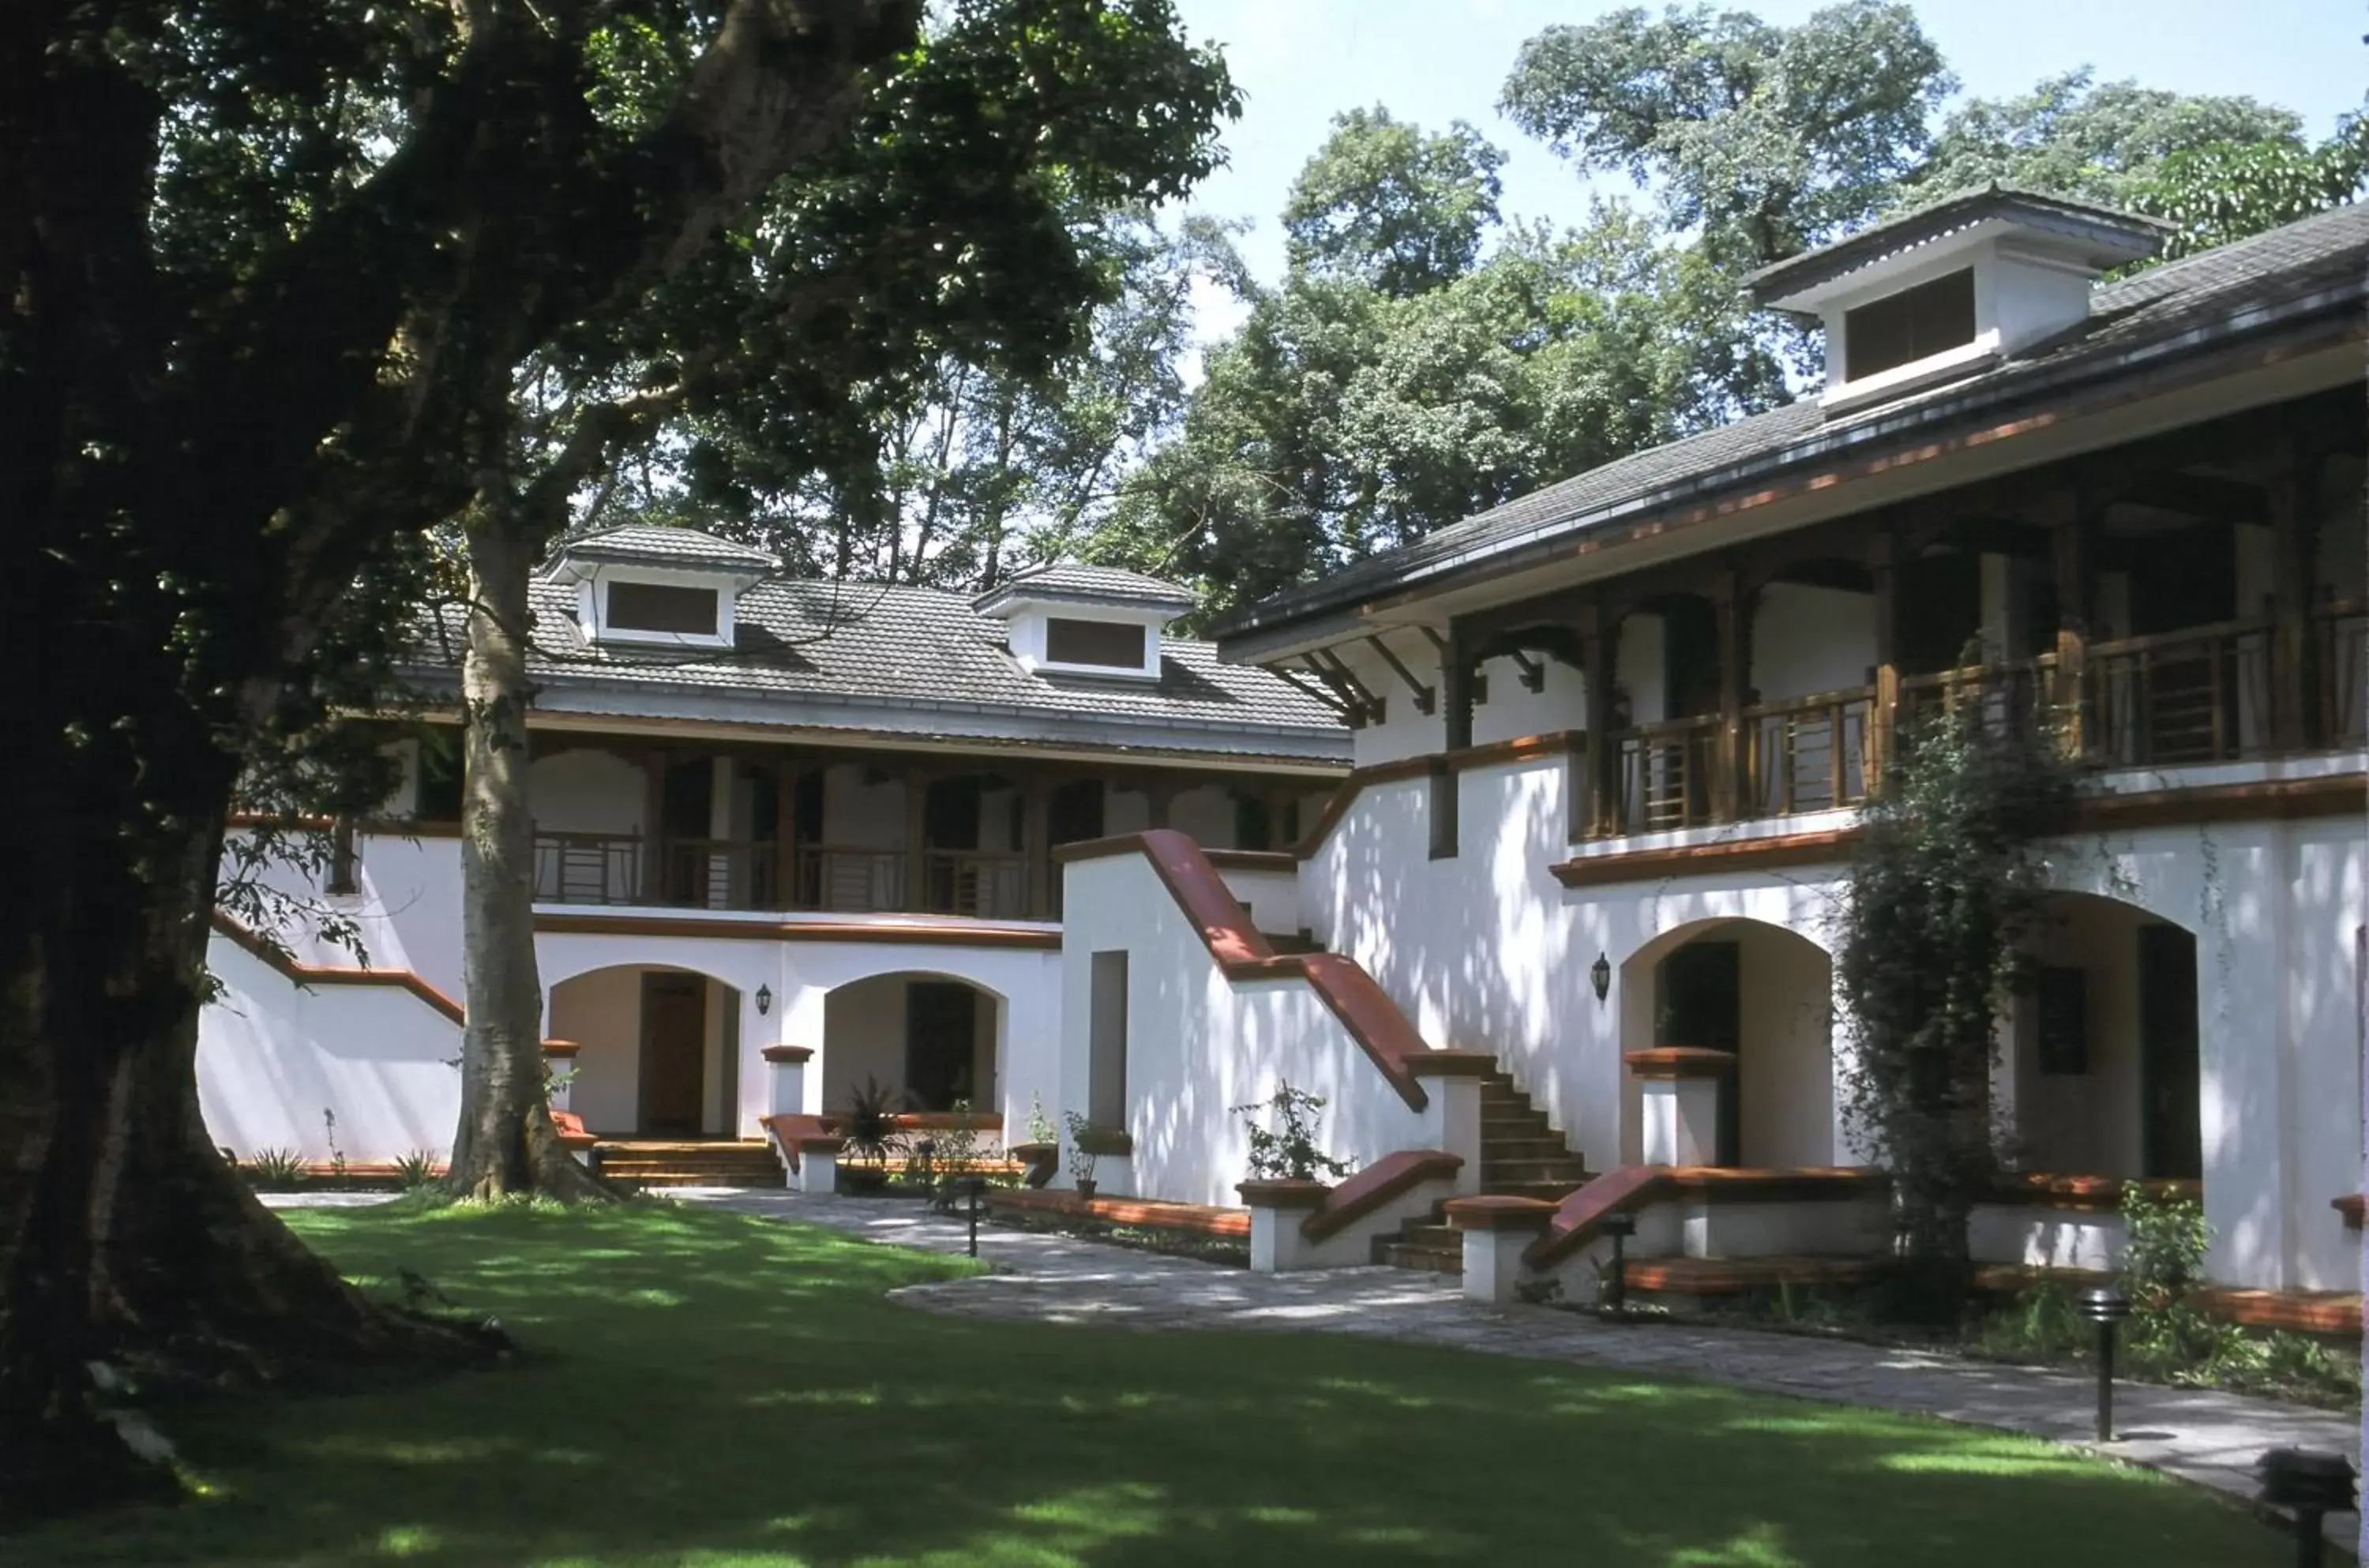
(2161, 303)
(664, 547)
(1068, 579)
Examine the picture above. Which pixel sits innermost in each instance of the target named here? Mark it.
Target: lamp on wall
(765, 1000)
(1599, 974)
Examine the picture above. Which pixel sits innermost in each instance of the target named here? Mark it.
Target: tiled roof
(2159, 304)
(842, 647)
(1069, 580)
(665, 547)
(2129, 235)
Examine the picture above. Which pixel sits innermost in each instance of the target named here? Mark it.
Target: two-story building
(1611, 739)
(779, 825)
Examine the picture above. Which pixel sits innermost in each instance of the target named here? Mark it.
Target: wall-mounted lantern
(765, 1000)
(1599, 974)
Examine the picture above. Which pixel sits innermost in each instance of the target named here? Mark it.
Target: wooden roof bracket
(1426, 699)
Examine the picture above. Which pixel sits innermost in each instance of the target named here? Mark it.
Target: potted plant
(1042, 1152)
(869, 1126)
(1081, 1153)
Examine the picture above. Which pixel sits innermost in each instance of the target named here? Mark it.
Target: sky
(1300, 62)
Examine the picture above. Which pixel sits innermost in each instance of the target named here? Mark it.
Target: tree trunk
(506, 1142)
(125, 1237)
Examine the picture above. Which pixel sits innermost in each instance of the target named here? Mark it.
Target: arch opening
(2099, 1068)
(932, 1039)
(1764, 995)
(658, 1051)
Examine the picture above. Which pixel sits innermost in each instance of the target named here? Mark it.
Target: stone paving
(2199, 1435)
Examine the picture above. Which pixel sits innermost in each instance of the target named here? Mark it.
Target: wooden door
(674, 1050)
(1698, 1002)
(2171, 1141)
(941, 1038)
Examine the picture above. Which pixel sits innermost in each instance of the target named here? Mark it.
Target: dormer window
(661, 607)
(1095, 621)
(1951, 289)
(1914, 323)
(657, 587)
(1118, 645)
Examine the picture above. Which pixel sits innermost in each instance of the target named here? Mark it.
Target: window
(1106, 1039)
(1114, 644)
(661, 607)
(1912, 325)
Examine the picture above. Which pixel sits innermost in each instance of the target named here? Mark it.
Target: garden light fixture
(1600, 974)
(2314, 1485)
(2106, 1307)
(1620, 1227)
(971, 1188)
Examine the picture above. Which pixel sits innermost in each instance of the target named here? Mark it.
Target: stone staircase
(1521, 1156)
(690, 1162)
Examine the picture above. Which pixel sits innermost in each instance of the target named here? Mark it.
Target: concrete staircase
(1521, 1156)
(691, 1162)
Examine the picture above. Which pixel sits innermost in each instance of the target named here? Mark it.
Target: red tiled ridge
(1243, 954)
(1202, 1220)
(1631, 1187)
(1391, 1176)
(304, 974)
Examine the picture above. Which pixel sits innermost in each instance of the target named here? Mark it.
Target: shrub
(1081, 1155)
(416, 1169)
(871, 1122)
(276, 1168)
(1289, 1152)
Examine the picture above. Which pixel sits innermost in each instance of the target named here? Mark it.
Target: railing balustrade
(850, 880)
(737, 874)
(587, 868)
(2342, 632)
(2008, 695)
(2198, 695)
(1667, 773)
(1808, 754)
(986, 882)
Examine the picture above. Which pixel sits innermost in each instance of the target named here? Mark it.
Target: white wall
(860, 816)
(587, 791)
(2086, 1123)
(1806, 640)
(272, 1058)
(601, 1011)
(1785, 1076)
(1513, 711)
(1640, 671)
(1199, 1044)
(1205, 815)
(863, 1037)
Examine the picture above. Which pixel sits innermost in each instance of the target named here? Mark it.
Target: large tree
(268, 272)
(1384, 202)
(945, 242)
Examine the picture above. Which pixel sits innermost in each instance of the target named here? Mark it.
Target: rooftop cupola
(1072, 620)
(657, 587)
(1951, 289)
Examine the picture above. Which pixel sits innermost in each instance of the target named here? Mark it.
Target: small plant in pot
(1082, 1154)
(1288, 1151)
(869, 1126)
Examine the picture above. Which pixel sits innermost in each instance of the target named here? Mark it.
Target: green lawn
(710, 1389)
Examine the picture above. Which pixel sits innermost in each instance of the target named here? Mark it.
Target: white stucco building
(1521, 845)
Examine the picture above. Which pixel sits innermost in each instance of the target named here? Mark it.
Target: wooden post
(785, 834)
(1884, 712)
(1599, 642)
(2075, 528)
(1035, 842)
(1732, 611)
(1456, 723)
(917, 832)
(2294, 653)
(648, 872)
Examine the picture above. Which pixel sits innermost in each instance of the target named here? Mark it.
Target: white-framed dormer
(1951, 289)
(666, 588)
(1085, 620)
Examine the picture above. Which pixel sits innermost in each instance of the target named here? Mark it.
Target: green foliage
(1944, 881)
(275, 1169)
(416, 1169)
(1382, 201)
(2166, 1239)
(869, 1123)
(1288, 1152)
(330, 1132)
(1081, 1156)
(1040, 1125)
(2227, 190)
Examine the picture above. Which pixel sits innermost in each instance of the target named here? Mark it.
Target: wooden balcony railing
(587, 868)
(2341, 632)
(1808, 754)
(989, 883)
(718, 873)
(2006, 695)
(850, 880)
(1668, 774)
(2198, 695)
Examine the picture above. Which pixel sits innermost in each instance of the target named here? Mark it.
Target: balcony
(2205, 694)
(742, 875)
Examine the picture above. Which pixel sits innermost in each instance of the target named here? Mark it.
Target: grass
(706, 1390)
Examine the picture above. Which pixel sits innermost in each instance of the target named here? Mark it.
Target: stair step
(1559, 1168)
(1439, 1238)
(1552, 1191)
(1398, 1256)
(1542, 1146)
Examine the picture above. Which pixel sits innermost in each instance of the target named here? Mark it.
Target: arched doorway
(1765, 995)
(2100, 1074)
(933, 1039)
(658, 1051)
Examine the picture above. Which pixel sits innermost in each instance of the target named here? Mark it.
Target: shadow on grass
(709, 1389)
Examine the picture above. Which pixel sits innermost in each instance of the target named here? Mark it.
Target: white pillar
(785, 1080)
(1681, 1087)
